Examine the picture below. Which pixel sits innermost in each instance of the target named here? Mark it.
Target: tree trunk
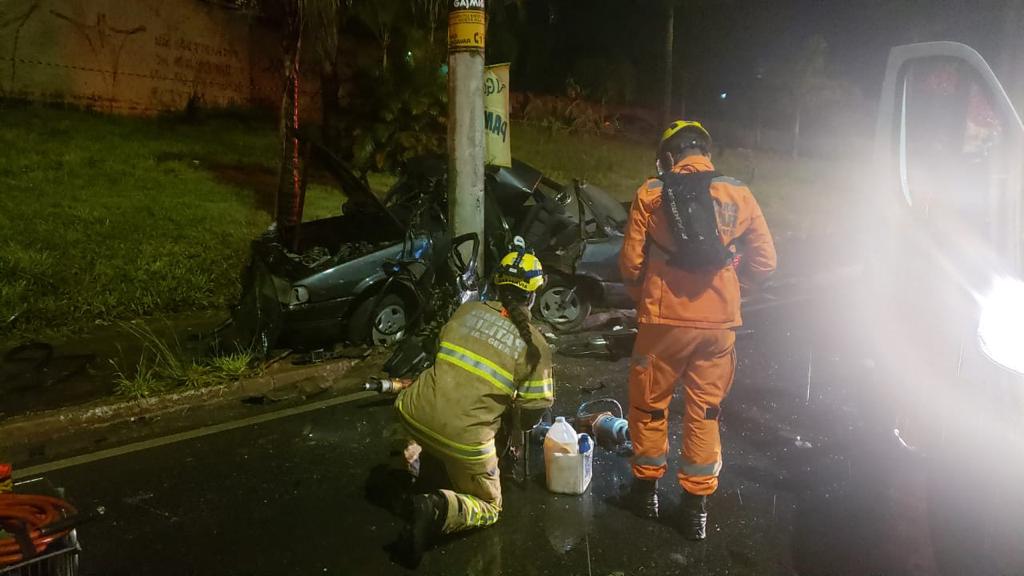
(288, 210)
(330, 85)
(281, 202)
(670, 9)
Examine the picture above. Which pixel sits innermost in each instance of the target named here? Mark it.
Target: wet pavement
(810, 486)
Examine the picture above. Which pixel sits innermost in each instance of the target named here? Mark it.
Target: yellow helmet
(520, 268)
(679, 125)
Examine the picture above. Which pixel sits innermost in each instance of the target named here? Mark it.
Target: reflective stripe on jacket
(670, 295)
(480, 371)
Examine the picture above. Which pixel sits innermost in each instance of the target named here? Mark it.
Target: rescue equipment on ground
(568, 469)
(37, 529)
(611, 432)
(386, 385)
(608, 431)
(32, 522)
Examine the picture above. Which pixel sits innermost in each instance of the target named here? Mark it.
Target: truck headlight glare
(1001, 324)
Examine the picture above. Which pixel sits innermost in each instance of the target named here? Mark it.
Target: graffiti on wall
(13, 26)
(154, 55)
(106, 44)
(189, 65)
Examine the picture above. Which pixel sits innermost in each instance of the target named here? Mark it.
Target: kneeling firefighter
(676, 261)
(491, 364)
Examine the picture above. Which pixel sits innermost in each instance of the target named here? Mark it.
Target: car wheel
(379, 321)
(561, 306)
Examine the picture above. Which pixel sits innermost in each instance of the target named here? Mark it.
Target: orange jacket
(669, 295)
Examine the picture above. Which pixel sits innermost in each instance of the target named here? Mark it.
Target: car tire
(389, 312)
(563, 317)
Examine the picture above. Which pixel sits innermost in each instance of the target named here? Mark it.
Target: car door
(947, 194)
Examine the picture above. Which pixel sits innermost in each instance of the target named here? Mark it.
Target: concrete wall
(136, 56)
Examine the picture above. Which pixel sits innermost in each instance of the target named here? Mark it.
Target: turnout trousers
(703, 361)
(472, 489)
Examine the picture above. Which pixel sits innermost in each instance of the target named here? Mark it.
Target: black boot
(429, 512)
(694, 516)
(644, 494)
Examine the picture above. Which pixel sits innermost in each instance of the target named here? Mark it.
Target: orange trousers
(704, 361)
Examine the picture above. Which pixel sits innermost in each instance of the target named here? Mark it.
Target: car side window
(562, 195)
(951, 140)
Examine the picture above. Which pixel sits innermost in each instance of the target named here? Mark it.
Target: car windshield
(606, 208)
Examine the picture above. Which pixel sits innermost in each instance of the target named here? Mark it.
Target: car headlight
(1001, 324)
(298, 295)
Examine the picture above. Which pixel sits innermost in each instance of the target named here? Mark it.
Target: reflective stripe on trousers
(691, 469)
(466, 512)
(428, 437)
(653, 461)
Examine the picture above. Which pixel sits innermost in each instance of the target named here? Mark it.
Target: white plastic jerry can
(566, 469)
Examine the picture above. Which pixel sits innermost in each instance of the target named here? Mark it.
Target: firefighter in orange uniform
(687, 292)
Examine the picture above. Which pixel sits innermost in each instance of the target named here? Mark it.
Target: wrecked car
(327, 280)
(576, 230)
(321, 282)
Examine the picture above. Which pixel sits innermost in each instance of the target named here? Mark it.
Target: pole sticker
(467, 27)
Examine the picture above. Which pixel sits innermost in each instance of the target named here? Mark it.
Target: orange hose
(30, 512)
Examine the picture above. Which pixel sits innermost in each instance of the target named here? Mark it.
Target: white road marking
(182, 436)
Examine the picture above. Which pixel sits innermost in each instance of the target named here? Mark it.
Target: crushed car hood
(360, 197)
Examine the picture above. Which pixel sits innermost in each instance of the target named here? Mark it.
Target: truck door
(949, 152)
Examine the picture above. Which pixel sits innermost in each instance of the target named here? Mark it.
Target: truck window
(952, 142)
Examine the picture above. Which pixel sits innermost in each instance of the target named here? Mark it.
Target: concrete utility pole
(466, 144)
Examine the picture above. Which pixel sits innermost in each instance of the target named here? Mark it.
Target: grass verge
(106, 219)
(163, 366)
(796, 194)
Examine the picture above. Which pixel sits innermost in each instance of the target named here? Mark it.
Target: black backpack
(687, 201)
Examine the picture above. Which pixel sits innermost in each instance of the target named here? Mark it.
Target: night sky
(724, 45)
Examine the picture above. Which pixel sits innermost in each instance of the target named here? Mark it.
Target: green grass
(110, 218)
(617, 165)
(105, 218)
(163, 366)
(324, 200)
(796, 194)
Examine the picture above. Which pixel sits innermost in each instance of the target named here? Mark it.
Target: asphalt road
(810, 486)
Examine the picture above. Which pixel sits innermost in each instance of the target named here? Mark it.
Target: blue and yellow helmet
(520, 268)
